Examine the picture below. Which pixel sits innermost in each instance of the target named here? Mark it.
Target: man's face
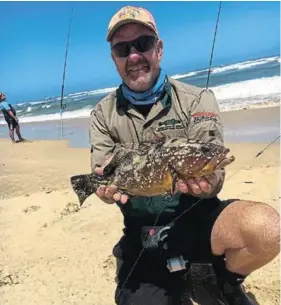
(139, 70)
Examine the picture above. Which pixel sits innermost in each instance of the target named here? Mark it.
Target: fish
(154, 167)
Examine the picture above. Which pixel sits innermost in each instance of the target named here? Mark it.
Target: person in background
(11, 118)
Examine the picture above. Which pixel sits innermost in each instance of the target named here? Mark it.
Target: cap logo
(129, 13)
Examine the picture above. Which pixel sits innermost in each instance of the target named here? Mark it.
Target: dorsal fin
(158, 139)
(117, 158)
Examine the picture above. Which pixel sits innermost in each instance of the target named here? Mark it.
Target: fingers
(110, 191)
(110, 195)
(194, 185)
(203, 184)
(120, 197)
(181, 186)
(199, 185)
(101, 191)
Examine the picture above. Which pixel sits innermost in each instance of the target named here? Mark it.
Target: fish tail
(84, 186)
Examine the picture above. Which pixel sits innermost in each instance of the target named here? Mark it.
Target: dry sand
(54, 253)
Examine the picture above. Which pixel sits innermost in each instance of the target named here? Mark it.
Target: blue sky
(33, 39)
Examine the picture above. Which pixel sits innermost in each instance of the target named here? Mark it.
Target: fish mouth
(218, 162)
(228, 158)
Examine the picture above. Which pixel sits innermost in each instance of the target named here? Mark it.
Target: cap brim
(126, 21)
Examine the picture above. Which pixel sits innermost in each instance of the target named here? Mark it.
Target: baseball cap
(131, 14)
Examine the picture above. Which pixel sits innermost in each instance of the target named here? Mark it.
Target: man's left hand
(197, 186)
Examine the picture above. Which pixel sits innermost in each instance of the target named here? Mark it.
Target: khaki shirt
(184, 110)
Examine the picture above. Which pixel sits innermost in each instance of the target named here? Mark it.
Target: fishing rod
(262, 151)
(62, 104)
(213, 46)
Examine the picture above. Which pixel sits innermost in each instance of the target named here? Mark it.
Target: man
(236, 236)
(11, 118)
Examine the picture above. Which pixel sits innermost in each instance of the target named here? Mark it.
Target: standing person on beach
(236, 236)
(11, 118)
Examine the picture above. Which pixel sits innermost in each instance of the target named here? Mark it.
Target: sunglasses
(141, 44)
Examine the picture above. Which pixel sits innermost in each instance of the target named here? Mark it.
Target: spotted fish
(154, 167)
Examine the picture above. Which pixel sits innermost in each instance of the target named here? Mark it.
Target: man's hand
(13, 116)
(109, 194)
(198, 186)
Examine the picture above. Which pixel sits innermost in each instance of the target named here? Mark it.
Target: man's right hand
(109, 194)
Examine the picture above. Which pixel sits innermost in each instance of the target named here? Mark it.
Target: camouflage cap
(131, 14)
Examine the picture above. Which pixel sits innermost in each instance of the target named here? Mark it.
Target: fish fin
(117, 158)
(157, 140)
(83, 186)
(175, 179)
(169, 195)
(143, 148)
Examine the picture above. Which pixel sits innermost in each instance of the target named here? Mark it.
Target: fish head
(197, 159)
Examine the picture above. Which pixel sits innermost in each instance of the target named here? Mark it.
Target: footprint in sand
(31, 209)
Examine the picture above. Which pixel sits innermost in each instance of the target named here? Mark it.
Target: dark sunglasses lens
(144, 43)
(121, 49)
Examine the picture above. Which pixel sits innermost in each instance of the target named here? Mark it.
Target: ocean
(250, 83)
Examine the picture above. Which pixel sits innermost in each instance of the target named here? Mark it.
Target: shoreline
(248, 125)
(263, 105)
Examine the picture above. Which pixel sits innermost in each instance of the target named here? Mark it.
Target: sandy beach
(52, 252)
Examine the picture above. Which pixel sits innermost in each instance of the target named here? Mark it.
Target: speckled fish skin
(152, 169)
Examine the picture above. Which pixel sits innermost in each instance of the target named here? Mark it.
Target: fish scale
(151, 169)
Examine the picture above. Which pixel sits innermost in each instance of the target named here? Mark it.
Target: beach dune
(53, 252)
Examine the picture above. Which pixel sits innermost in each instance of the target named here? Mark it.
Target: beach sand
(52, 252)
